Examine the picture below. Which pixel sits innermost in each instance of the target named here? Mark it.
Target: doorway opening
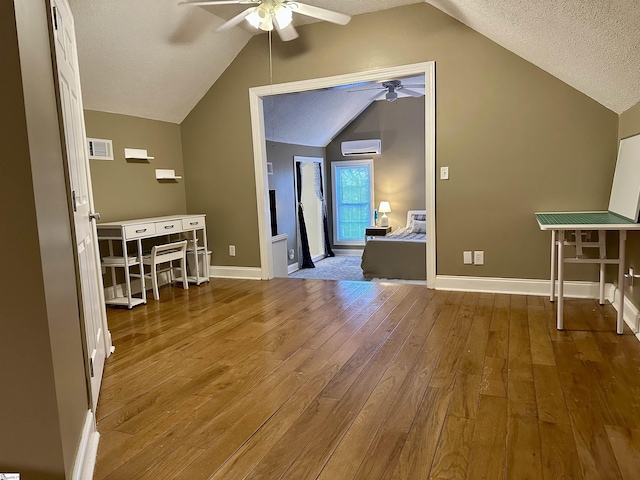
(256, 96)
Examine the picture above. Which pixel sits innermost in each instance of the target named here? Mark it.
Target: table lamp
(384, 209)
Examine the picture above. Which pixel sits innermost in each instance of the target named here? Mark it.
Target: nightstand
(375, 232)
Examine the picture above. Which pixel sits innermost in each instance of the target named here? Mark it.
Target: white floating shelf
(166, 174)
(136, 154)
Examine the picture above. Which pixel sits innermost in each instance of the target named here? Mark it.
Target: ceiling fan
(268, 15)
(390, 90)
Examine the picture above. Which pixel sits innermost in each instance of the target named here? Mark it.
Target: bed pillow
(418, 226)
(419, 216)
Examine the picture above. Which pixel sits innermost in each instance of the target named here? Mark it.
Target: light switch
(467, 258)
(444, 173)
(478, 257)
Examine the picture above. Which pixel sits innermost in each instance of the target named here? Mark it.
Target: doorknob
(94, 216)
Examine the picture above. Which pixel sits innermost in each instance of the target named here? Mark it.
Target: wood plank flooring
(302, 379)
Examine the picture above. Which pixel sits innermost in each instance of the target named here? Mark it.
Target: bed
(401, 254)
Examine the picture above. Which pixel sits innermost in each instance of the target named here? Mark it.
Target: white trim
(351, 163)
(352, 252)
(245, 273)
(87, 450)
(259, 147)
(262, 182)
(292, 268)
(517, 286)
(631, 314)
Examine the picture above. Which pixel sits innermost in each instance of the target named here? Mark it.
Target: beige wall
(44, 392)
(127, 189)
(516, 139)
(281, 155)
(629, 126)
(399, 172)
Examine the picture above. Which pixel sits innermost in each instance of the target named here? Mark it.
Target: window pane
(353, 197)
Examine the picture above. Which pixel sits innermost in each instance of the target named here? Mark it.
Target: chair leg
(154, 281)
(185, 280)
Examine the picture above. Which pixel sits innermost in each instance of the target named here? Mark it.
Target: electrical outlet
(291, 254)
(444, 173)
(467, 259)
(232, 250)
(478, 257)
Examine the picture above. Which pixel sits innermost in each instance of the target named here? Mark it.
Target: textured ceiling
(155, 59)
(592, 45)
(150, 58)
(315, 117)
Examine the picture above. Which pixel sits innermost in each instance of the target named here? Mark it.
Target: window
(352, 200)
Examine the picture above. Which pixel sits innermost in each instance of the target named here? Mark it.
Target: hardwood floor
(359, 380)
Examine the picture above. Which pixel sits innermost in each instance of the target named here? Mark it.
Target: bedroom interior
(399, 124)
(531, 103)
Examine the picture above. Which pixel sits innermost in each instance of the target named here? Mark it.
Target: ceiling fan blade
(367, 88)
(218, 2)
(412, 86)
(235, 20)
(287, 33)
(413, 93)
(320, 13)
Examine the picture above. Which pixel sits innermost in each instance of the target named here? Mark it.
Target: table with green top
(561, 222)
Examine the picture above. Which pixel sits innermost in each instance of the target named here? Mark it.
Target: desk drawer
(140, 230)
(171, 226)
(192, 223)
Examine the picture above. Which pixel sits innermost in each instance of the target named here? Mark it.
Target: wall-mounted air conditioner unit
(362, 147)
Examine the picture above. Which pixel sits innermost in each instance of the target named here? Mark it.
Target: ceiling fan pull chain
(270, 61)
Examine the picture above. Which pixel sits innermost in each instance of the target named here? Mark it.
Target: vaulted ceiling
(176, 54)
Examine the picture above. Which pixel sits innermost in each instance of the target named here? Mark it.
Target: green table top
(584, 220)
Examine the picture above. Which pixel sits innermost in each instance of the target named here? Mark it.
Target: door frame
(303, 159)
(256, 95)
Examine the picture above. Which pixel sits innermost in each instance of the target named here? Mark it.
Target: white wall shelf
(136, 154)
(166, 174)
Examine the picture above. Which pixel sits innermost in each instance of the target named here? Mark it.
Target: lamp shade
(265, 15)
(384, 207)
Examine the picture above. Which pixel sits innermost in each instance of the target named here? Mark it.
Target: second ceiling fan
(276, 15)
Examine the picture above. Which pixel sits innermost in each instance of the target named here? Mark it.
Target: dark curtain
(305, 260)
(325, 221)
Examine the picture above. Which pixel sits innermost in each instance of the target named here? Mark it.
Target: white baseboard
(292, 268)
(245, 273)
(348, 252)
(87, 451)
(517, 286)
(136, 287)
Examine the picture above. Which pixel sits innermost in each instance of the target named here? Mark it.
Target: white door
(97, 336)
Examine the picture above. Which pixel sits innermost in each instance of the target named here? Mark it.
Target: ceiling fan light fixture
(283, 14)
(391, 96)
(268, 13)
(261, 18)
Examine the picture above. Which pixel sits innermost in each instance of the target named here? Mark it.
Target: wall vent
(100, 149)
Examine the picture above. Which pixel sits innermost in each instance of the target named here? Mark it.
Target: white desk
(559, 223)
(134, 231)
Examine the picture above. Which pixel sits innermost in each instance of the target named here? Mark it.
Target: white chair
(167, 253)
